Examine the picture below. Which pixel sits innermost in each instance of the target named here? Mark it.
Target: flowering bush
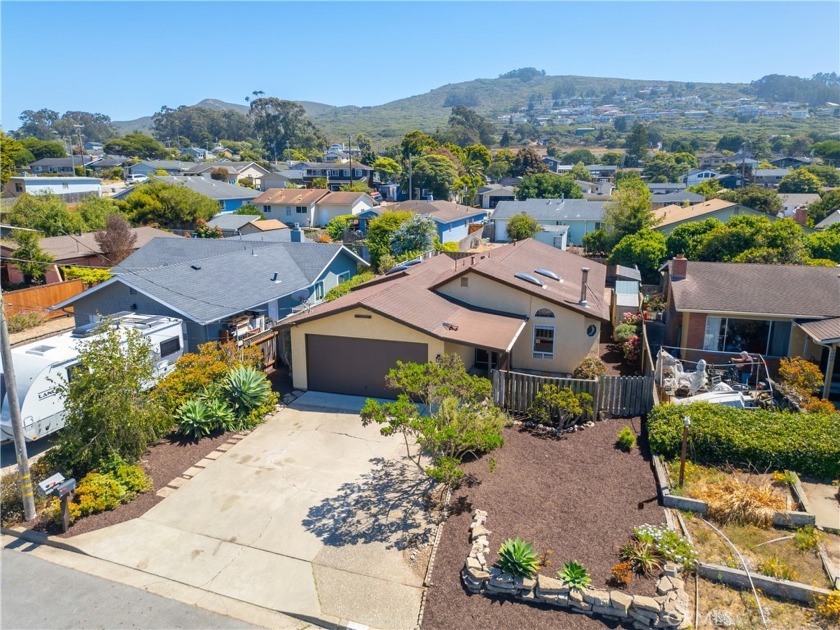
(667, 543)
(631, 318)
(590, 368)
(631, 348)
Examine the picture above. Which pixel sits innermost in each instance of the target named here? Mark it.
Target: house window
(543, 342)
(289, 211)
(170, 346)
(485, 360)
(18, 187)
(343, 277)
(132, 291)
(319, 291)
(730, 334)
(266, 208)
(301, 209)
(544, 312)
(465, 281)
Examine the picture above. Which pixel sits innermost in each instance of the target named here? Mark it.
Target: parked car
(135, 178)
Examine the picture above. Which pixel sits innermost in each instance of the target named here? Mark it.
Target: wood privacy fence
(39, 299)
(616, 395)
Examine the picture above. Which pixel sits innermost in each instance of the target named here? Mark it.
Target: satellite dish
(301, 295)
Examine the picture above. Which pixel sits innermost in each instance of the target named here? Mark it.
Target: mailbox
(48, 485)
(64, 489)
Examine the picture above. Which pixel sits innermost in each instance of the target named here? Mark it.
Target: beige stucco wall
(347, 325)
(571, 343)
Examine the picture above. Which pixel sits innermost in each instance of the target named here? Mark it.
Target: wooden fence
(39, 299)
(617, 395)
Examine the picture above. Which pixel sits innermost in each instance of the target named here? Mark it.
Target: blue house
(452, 219)
(221, 288)
(230, 197)
(581, 216)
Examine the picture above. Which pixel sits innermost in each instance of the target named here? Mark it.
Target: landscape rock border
(669, 609)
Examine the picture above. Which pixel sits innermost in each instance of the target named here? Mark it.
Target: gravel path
(578, 496)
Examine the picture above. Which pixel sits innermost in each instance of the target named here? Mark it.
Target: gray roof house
(675, 198)
(229, 196)
(150, 167)
(580, 215)
(831, 219)
(59, 165)
(201, 282)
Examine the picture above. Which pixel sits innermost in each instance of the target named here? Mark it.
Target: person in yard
(745, 364)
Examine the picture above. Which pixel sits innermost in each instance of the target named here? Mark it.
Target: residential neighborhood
(400, 349)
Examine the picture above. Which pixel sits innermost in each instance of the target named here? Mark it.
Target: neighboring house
(229, 196)
(580, 215)
(221, 288)
(670, 217)
(196, 153)
(336, 204)
(77, 250)
(337, 174)
(489, 196)
(524, 306)
(675, 198)
(261, 226)
(769, 177)
(452, 220)
(831, 219)
(698, 176)
(665, 188)
(791, 162)
(597, 188)
(94, 147)
(792, 201)
(235, 170)
(288, 178)
(731, 181)
(109, 162)
(711, 160)
(151, 167)
(71, 189)
(290, 205)
(231, 224)
(730, 307)
(65, 165)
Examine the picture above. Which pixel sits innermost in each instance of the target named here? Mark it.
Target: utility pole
(350, 153)
(81, 148)
(410, 186)
(17, 425)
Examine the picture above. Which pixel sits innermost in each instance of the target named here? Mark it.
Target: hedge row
(808, 443)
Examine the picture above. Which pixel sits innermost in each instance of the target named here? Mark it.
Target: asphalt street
(37, 594)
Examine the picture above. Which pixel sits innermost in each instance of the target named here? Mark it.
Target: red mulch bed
(163, 462)
(613, 359)
(578, 496)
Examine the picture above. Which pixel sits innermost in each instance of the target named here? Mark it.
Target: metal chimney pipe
(584, 277)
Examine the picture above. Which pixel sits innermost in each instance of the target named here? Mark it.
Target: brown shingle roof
(675, 214)
(79, 245)
(823, 330)
(266, 225)
(342, 198)
(790, 290)
(289, 196)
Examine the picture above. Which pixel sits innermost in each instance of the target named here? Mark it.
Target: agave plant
(246, 389)
(574, 575)
(193, 419)
(518, 557)
(221, 415)
(643, 556)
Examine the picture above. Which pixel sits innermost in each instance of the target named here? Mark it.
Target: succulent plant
(574, 575)
(518, 558)
(193, 419)
(246, 389)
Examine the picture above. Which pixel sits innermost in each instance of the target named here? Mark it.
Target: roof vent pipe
(584, 277)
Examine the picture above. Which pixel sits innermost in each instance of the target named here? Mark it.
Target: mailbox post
(58, 486)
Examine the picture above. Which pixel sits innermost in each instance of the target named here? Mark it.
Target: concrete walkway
(311, 515)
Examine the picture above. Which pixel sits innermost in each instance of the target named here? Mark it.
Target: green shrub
(86, 274)
(642, 556)
(574, 575)
(194, 421)
(258, 414)
(345, 287)
(667, 543)
(807, 539)
(626, 439)
(775, 568)
(623, 332)
(589, 368)
(246, 389)
(518, 558)
(769, 440)
(24, 321)
(11, 502)
(561, 407)
(220, 415)
(129, 476)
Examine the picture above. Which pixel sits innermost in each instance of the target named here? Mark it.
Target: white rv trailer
(41, 365)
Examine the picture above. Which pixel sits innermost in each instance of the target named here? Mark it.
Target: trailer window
(71, 372)
(170, 346)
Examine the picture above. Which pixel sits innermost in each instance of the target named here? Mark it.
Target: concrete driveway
(311, 515)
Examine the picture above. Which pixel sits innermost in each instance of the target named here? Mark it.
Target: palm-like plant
(518, 558)
(193, 419)
(221, 415)
(574, 575)
(246, 389)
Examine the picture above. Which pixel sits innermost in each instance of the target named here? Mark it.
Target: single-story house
(64, 165)
(221, 288)
(665, 188)
(670, 217)
(680, 198)
(698, 176)
(71, 189)
(769, 177)
(792, 201)
(261, 226)
(94, 147)
(232, 224)
(790, 161)
(711, 160)
(236, 171)
(230, 197)
(337, 174)
(831, 219)
(524, 306)
(151, 167)
(452, 220)
(731, 181)
(286, 178)
(197, 153)
(730, 307)
(290, 205)
(580, 215)
(489, 196)
(336, 204)
(109, 162)
(77, 250)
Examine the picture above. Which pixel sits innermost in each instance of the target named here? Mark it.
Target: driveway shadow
(387, 504)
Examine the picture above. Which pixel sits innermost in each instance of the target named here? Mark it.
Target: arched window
(544, 312)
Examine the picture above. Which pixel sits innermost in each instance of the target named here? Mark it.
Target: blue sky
(129, 59)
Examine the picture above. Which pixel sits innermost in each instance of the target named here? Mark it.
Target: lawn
(576, 498)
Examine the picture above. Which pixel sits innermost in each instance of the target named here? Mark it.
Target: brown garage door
(345, 365)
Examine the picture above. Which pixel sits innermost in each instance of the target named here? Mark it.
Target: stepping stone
(204, 462)
(214, 455)
(192, 471)
(224, 447)
(165, 491)
(177, 482)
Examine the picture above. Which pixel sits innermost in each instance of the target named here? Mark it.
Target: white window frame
(343, 277)
(318, 292)
(548, 356)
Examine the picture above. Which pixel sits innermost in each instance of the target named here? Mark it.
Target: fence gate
(625, 395)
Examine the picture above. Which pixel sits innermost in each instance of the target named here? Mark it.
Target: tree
(44, 148)
(108, 409)
(731, 142)
(636, 145)
(548, 186)
(46, 213)
(167, 205)
(628, 212)
(94, 211)
(282, 125)
(580, 173)
(203, 230)
(417, 143)
(457, 419)
(416, 235)
(800, 181)
(500, 164)
(387, 168)
(579, 156)
(434, 173)
(468, 127)
(29, 257)
(117, 240)
(597, 241)
(829, 150)
(506, 139)
(249, 209)
(755, 239)
(709, 189)
(686, 238)
(828, 175)
(219, 174)
(819, 210)
(137, 145)
(825, 245)
(663, 167)
(368, 156)
(612, 158)
(12, 154)
(762, 199)
(478, 153)
(527, 162)
(380, 231)
(39, 124)
(645, 248)
(522, 226)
